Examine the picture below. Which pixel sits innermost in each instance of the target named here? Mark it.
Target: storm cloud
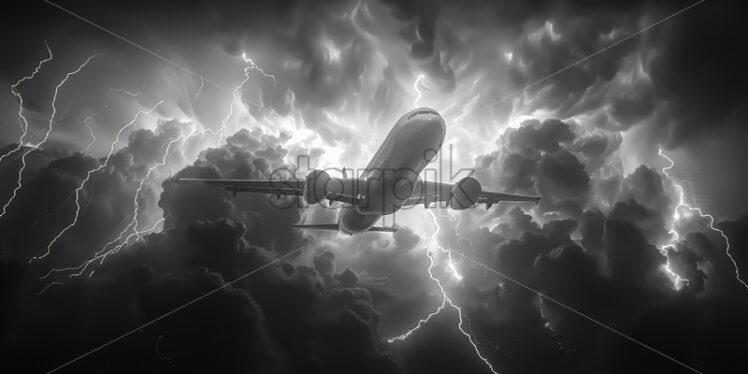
(254, 88)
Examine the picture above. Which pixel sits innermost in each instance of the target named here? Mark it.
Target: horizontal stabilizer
(383, 229)
(322, 226)
(335, 227)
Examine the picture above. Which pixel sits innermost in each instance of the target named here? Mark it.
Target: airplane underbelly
(394, 171)
(353, 222)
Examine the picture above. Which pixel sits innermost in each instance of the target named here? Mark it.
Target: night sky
(629, 119)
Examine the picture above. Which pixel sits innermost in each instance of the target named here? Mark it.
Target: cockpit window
(422, 111)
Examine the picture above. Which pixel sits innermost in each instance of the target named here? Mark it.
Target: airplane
(390, 182)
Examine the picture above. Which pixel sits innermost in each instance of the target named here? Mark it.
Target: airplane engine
(465, 193)
(317, 186)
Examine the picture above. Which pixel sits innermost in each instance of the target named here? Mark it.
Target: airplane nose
(437, 126)
(429, 123)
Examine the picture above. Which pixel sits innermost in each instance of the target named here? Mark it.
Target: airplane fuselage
(393, 172)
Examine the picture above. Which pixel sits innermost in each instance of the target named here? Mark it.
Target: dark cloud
(562, 177)
(257, 324)
(609, 265)
(545, 137)
(266, 224)
(691, 49)
(630, 256)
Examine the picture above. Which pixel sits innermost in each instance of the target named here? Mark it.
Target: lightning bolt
(199, 89)
(83, 183)
(231, 107)
(50, 126)
(419, 79)
(126, 92)
(134, 223)
(50, 285)
(253, 66)
(103, 253)
(450, 267)
(168, 359)
(124, 238)
(688, 211)
(446, 300)
(141, 232)
(432, 264)
(90, 132)
(250, 66)
(22, 119)
(130, 93)
(91, 143)
(138, 234)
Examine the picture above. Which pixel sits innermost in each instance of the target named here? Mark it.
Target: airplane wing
(272, 187)
(343, 190)
(427, 192)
